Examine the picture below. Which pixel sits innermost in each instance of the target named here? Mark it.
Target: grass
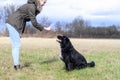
(40, 60)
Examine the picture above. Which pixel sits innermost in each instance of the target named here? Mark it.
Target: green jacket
(26, 12)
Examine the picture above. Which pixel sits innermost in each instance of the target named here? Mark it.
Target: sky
(97, 12)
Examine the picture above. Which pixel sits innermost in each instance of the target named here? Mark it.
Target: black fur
(71, 57)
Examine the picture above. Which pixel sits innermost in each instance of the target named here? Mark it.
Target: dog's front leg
(68, 67)
(68, 64)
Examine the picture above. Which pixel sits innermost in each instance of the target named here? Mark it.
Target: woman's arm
(31, 13)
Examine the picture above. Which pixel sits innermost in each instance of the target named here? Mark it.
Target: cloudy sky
(97, 12)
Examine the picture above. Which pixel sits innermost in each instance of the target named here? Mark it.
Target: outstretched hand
(48, 28)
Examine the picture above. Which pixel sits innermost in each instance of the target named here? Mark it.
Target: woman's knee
(16, 44)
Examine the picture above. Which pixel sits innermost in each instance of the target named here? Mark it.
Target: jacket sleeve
(31, 13)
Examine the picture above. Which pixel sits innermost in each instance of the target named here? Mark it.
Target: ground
(40, 60)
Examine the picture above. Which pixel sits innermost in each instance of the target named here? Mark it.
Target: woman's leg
(16, 44)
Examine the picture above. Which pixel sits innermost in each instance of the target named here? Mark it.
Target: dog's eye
(64, 37)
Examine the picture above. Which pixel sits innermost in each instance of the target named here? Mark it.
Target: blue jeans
(16, 43)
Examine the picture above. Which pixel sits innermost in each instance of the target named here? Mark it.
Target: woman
(16, 25)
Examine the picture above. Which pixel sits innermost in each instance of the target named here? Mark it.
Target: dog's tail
(91, 64)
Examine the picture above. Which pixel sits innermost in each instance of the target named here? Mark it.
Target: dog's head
(63, 40)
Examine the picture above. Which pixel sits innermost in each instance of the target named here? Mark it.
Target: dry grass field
(40, 60)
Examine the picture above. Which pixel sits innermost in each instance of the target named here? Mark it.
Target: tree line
(78, 28)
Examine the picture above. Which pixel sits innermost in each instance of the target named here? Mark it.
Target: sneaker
(16, 67)
(19, 66)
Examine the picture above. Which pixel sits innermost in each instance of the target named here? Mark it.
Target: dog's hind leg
(81, 65)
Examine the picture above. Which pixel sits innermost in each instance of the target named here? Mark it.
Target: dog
(70, 56)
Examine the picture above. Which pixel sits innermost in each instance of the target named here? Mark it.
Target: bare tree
(58, 26)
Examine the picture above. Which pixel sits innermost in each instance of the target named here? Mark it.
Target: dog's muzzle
(58, 40)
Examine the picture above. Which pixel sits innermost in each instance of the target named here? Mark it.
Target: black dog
(72, 58)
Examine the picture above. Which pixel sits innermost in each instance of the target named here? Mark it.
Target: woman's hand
(47, 28)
